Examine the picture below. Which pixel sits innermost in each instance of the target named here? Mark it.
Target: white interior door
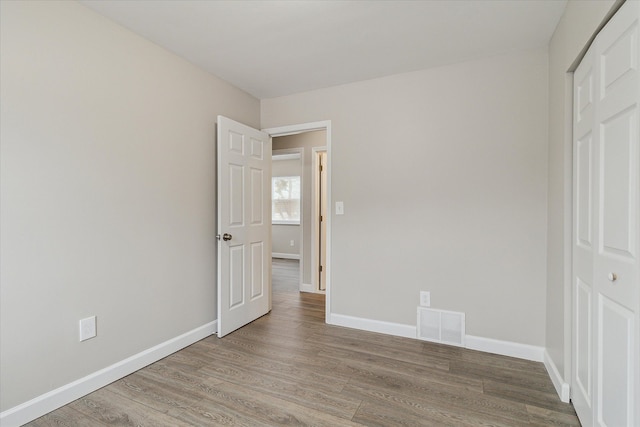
(606, 261)
(244, 225)
(583, 239)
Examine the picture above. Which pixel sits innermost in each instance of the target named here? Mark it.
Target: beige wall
(443, 174)
(282, 235)
(578, 23)
(107, 193)
(306, 140)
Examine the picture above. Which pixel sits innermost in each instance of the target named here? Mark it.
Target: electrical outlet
(291, 243)
(425, 298)
(87, 328)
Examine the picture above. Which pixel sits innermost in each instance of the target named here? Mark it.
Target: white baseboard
(505, 348)
(562, 388)
(388, 328)
(54, 399)
(307, 287)
(489, 345)
(284, 256)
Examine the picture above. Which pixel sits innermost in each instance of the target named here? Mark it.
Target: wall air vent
(441, 326)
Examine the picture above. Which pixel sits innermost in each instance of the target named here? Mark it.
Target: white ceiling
(276, 48)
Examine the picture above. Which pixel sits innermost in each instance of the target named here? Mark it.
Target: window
(285, 200)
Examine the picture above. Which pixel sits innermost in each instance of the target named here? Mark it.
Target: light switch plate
(425, 298)
(339, 208)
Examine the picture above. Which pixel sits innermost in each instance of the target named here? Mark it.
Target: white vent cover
(446, 327)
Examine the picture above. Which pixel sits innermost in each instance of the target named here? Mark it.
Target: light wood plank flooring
(289, 368)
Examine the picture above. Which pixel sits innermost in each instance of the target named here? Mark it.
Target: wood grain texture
(290, 368)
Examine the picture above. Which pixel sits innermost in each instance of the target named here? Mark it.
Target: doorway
(322, 133)
(295, 232)
(287, 219)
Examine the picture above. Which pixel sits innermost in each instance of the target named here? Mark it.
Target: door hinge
(320, 269)
(321, 168)
(320, 218)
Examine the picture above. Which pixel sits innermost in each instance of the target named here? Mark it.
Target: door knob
(226, 237)
(613, 277)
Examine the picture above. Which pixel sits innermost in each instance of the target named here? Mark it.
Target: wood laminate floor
(289, 368)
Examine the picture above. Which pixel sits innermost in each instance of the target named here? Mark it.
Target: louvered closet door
(606, 266)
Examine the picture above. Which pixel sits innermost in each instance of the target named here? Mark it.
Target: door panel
(615, 367)
(584, 189)
(619, 57)
(617, 183)
(236, 195)
(257, 196)
(244, 204)
(236, 144)
(236, 273)
(257, 270)
(584, 367)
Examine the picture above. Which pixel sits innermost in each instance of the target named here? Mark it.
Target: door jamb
(307, 127)
(315, 230)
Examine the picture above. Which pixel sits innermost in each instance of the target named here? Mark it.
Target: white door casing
(306, 127)
(606, 260)
(319, 206)
(244, 224)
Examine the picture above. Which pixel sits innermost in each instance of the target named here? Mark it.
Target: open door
(244, 225)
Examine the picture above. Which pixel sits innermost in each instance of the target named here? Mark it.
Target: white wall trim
(54, 399)
(299, 128)
(389, 328)
(505, 348)
(306, 287)
(562, 388)
(287, 155)
(284, 256)
(488, 345)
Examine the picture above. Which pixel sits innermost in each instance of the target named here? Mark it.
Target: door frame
(308, 127)
(315, 230)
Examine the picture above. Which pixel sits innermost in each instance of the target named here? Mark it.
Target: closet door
(583, 237)
(606, 299)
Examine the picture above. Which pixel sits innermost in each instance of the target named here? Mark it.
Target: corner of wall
(562, 387)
